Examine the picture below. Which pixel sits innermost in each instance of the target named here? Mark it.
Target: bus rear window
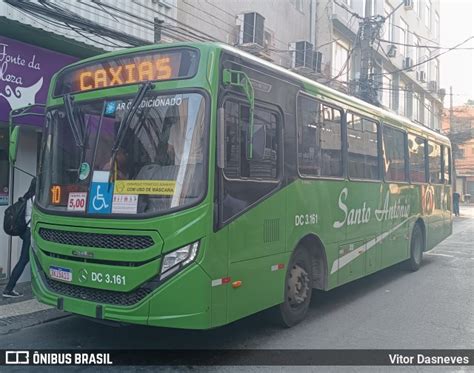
(129, 69)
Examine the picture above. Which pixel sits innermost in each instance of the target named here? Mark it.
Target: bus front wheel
(298, 289)
(416, 249)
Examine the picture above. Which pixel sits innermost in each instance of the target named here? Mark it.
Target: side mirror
(13, 145)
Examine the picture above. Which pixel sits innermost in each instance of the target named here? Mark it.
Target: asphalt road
(392, 309)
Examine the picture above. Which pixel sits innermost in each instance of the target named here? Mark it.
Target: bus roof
(334, 94)
(340, 96)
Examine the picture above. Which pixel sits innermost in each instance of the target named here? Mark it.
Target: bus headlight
(175, 260)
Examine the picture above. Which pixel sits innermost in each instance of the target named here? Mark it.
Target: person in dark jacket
(456, 198)
(9, 291)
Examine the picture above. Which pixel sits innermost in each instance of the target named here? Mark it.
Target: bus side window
(363, 149)
(394, 154)
(247, 180)
(263, 164)
(446, 165)
(319, 139)
(434, 159)
(417, 158)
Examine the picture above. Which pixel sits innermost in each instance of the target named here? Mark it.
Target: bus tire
(416, 249)
(298, 289)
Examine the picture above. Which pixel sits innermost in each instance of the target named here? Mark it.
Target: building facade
(282, 32)
(405, 69)
(458, 125)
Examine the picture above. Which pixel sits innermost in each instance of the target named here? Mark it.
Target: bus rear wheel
(298, 289)
(416, 249)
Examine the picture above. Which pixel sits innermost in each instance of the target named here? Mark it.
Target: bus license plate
(60, 273)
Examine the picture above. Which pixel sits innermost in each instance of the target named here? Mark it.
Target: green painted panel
(259, 232)
(374, 258)
(397, 200)
(183, 302)
(354, 265)
(262, 285)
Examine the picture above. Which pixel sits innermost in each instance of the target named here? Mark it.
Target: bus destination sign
(129, 69)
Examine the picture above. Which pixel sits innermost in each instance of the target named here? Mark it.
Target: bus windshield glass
(158, 165)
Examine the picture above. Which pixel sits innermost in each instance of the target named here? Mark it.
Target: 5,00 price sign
(77, 201)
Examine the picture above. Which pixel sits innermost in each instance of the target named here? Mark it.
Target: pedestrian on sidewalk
(9, 291)
(456, 198)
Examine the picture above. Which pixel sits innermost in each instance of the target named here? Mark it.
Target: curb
(18, 320)
(14, 323)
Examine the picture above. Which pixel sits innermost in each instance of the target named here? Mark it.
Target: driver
(185, 157)
(121, 165)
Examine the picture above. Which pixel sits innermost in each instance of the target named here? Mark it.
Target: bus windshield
(159, 165)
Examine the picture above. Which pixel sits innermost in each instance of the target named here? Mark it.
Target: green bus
(189, 185)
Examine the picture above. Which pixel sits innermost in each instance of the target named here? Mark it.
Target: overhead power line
(344, 6)
(427, 60)
(57, 13)
(422, 46)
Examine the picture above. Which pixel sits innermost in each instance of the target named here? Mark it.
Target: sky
(457, 66)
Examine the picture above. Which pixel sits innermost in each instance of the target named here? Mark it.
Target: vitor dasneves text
(421, 359)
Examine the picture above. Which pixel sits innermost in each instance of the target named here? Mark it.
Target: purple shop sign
(25, 74)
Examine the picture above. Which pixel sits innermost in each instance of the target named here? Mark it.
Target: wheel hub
(298, 285)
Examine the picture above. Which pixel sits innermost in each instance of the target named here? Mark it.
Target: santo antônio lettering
(362, 214)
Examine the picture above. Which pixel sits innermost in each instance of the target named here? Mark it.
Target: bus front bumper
(183, 301)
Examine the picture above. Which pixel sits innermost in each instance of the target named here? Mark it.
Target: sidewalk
(23, 312)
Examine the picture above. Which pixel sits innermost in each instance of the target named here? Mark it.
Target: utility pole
(450, 108)
(157, 25)
(365, 52)
(454, 143)
(369, 30)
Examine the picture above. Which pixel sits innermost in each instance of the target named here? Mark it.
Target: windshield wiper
(126, 120)
(76, 131)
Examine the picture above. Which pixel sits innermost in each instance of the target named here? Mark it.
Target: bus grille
(104, 241)
(97, 295)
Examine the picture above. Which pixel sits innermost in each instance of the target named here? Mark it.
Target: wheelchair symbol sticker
(100, 199)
